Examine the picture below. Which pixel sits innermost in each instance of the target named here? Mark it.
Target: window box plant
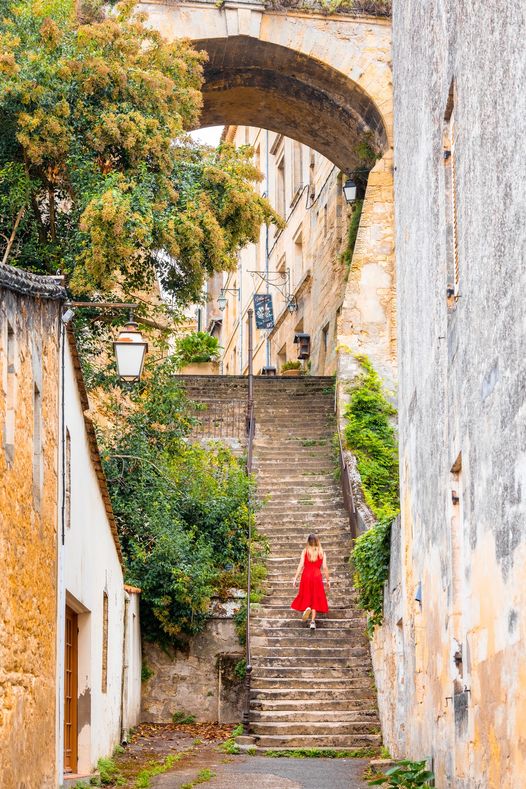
(198, 354)
(291, 369)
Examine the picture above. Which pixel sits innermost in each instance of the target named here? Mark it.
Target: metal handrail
(347, 491)
(251, 427)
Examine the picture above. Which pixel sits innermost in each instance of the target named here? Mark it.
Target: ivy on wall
(370, 436)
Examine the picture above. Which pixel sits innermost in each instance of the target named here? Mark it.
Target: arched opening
(256, 83)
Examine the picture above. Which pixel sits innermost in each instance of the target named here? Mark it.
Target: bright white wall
(133, 664)
(92, 567)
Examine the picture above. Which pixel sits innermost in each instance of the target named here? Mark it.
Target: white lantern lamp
(130, 349)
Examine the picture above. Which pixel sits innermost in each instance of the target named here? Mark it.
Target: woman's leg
(313, 614)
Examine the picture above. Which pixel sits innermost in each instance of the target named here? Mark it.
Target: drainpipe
(240, 316)
(124, 675)
(267, 240)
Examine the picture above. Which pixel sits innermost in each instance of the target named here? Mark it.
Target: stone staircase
(310, 689)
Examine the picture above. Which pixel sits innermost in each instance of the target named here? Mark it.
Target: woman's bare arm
(324, 568)
(300, 568)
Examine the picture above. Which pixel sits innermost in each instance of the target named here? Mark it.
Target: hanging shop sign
(263, 311)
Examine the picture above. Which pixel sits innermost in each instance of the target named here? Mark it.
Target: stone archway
(324, 80)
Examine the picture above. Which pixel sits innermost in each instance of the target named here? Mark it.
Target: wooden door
(70, 692)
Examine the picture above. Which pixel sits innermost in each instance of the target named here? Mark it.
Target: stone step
(345, 737)
(313, 715)
(282, 654)
(351, 679)
(347, 694)
(304, 639)
(325, 730)
(325, 627)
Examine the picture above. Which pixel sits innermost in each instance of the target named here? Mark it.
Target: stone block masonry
(457, 659)
(29, 376)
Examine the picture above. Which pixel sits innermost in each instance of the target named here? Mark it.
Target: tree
(98, 178)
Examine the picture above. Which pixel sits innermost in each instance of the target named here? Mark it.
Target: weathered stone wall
(199, 681)
(458, 658)
(28, 540)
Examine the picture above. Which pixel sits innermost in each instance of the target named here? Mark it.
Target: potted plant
(198, 354)
(291, 369)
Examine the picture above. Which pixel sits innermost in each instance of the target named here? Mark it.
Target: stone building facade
(30, 309)
(451, 656)
(301, 265)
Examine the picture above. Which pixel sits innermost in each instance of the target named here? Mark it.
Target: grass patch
(109, 772)
(319, 753)
(202, 777)
(230, 745)
(143, 779)
(180, 716)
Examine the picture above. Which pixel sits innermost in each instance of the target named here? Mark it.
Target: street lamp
(130, 350)
(222, 299)
(354, 186)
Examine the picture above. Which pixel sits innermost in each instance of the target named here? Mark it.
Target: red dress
(311, 593)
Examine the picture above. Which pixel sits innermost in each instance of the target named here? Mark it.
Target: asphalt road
(257, 772)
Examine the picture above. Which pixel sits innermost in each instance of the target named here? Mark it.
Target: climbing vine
(370, 436)
(370, 559)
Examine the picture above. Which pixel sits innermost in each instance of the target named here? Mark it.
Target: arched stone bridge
(325, 80)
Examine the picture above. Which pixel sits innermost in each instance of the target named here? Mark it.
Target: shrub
(370, 559)
(370, 436)
(291, 365)
(197, 347)
(405, 775)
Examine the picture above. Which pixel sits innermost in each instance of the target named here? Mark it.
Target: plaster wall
(198, 680)
(132, 662)
(458, 659)
(28, 541)
(92, 568)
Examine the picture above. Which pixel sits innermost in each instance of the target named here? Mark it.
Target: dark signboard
(263, 311)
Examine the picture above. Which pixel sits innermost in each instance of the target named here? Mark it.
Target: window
(297, 171)
(325, 219)
(298, 256)
(10, 414)
(280, 187)
(325, 337)
(37, 446)
(451, 213)
(105, 618)
(282, 357)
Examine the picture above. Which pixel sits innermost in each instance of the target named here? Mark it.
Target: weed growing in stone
(230, 746)
(180, 716)
(143, 780)
(322, 753)
(109, 772)
(405, 775)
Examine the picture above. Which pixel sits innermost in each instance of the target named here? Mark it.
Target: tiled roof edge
(28, 284)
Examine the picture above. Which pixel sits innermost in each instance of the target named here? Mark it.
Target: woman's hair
(314, 545)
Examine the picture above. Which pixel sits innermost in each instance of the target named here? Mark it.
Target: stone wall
(457, 659)
(199, 681)
(28, 532)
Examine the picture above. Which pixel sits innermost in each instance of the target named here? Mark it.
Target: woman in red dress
(311, 598)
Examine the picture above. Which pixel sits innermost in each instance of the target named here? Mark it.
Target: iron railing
(251, 426)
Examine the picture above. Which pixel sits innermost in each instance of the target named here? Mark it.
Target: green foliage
(143, 779)
(146, 672)
(352, 232)
(240, 669)
(322, 753)
(406, 775)
(97, 175)
(109, 772)
(369, 7)
(370, 436)
(181, 509)
(197, 347)
(291, 365)
(182, 717)
(229, 745)
(370, 559)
